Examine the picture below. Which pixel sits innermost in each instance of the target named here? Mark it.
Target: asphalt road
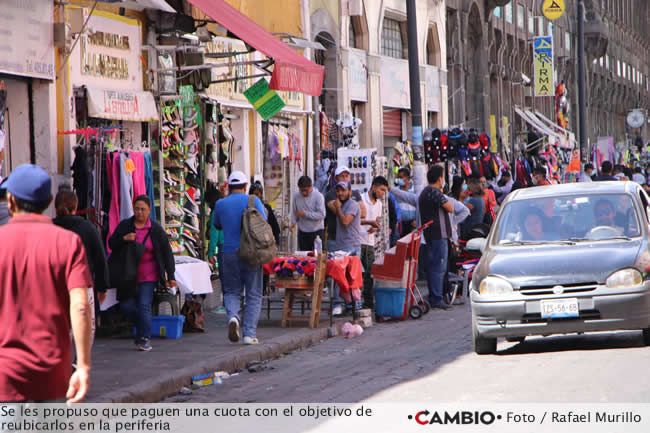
(432, 360)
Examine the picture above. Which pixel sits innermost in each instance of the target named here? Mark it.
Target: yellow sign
(493, 133)
(543, 65)
(553, 9)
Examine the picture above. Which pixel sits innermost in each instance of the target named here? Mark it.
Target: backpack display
(256, 245)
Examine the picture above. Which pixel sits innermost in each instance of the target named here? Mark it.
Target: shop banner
(26, 46)
(265, 101)
(108, 54)
(122, 105)
(228, 69)
(395, 92)
(543, 64)
(358, 75)
(493, 133)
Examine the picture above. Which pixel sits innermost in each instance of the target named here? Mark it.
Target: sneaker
(459, 301)
(337, 310)
(233, 330)
(441, 306)
(251, 340)
(145, 345)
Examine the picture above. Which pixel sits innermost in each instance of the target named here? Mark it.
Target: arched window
(433, 47)
(392, 40)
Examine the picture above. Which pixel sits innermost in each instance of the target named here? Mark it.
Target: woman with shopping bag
(141, 260)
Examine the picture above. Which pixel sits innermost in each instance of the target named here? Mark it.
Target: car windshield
(568, 219)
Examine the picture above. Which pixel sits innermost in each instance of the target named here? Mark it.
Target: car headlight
(494, 286)
(624, 278)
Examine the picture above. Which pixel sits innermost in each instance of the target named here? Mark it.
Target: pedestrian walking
(65, 204)
(407, 212)
(308, 214)
(587, 173)
(434, 207)
(155, 267)
(257, 190)
(44, 278)
(369, 226)
(606, 170)
(238, 275)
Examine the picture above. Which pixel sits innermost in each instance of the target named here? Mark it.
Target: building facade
(366, 65)
(490, 64)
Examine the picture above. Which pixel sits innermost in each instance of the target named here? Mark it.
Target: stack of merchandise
(180, 144)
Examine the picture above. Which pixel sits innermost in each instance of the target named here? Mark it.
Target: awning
(139, 5)
(292, 72)
(121, 105)
(533, 121)
(568, 136)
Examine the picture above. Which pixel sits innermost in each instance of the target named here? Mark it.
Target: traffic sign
(553, 9)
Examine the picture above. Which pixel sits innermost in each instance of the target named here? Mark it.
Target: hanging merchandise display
(3, 108)
(180, 139)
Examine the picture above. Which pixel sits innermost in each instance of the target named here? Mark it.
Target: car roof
(608, 187)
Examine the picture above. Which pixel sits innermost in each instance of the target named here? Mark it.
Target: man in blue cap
(44, 277)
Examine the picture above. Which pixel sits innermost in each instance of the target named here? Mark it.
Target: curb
(168, 383)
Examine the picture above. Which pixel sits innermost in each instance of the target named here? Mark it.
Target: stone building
(490, 65)
(367, 67)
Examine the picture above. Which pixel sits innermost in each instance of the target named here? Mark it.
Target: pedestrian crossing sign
(553, 9)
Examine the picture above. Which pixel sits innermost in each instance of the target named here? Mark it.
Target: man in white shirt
(586, 175)
(369, 226)
(638, 176)
(503, 186)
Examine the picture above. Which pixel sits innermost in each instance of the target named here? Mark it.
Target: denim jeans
(237, 276)
(138, 310)
(436, 268)
(367, 260)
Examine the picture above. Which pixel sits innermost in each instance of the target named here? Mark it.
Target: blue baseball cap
(30, 183)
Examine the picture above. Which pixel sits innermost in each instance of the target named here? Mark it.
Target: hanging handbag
(123, 267)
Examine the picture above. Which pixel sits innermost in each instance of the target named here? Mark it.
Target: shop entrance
(16, 119)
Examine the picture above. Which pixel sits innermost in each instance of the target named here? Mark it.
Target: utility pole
(582, 100)
(419, 175)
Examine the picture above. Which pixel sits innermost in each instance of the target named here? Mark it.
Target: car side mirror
(476, 245)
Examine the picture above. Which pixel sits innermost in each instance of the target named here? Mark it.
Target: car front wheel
(483, 345)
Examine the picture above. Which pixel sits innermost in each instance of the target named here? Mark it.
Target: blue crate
(167, 326)
(389, 301)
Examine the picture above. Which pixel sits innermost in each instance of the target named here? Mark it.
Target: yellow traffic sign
(553, 9)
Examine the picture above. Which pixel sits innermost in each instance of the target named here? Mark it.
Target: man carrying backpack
(240, 270)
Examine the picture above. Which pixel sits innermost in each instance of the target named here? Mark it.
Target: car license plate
(560, 308)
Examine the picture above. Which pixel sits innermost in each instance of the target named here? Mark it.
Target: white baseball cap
(341, 169)
(237, 178)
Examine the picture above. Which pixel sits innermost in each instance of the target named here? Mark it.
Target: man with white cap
(236, 274)
(342, 174)
(44, 277)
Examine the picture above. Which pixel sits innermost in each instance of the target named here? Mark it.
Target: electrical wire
(83, 28)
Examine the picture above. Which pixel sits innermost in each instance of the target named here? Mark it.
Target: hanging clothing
(139, 175)
(126, 189)
(81, 178)
(113, 173)
(148, 180)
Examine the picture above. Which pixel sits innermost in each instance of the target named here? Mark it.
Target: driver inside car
(605, 215)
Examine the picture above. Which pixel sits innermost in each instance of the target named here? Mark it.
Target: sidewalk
(120, 374)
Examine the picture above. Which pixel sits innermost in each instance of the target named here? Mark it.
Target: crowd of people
(49, 267)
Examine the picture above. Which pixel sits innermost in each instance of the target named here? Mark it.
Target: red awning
(292, 72)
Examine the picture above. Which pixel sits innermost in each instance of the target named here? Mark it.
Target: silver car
(563, 259)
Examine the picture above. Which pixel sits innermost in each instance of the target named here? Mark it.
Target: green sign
(265, 101)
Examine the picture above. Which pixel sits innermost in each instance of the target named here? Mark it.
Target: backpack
(256, 245)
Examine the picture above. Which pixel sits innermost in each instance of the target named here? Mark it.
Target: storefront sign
(358, 75)
(121, 105)
(543, 64)
(553, 9)
(493, 134)
(108, 53)
(395, 91)
(26, 46)
(265, 101)
(433, 88)
(229, 90)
